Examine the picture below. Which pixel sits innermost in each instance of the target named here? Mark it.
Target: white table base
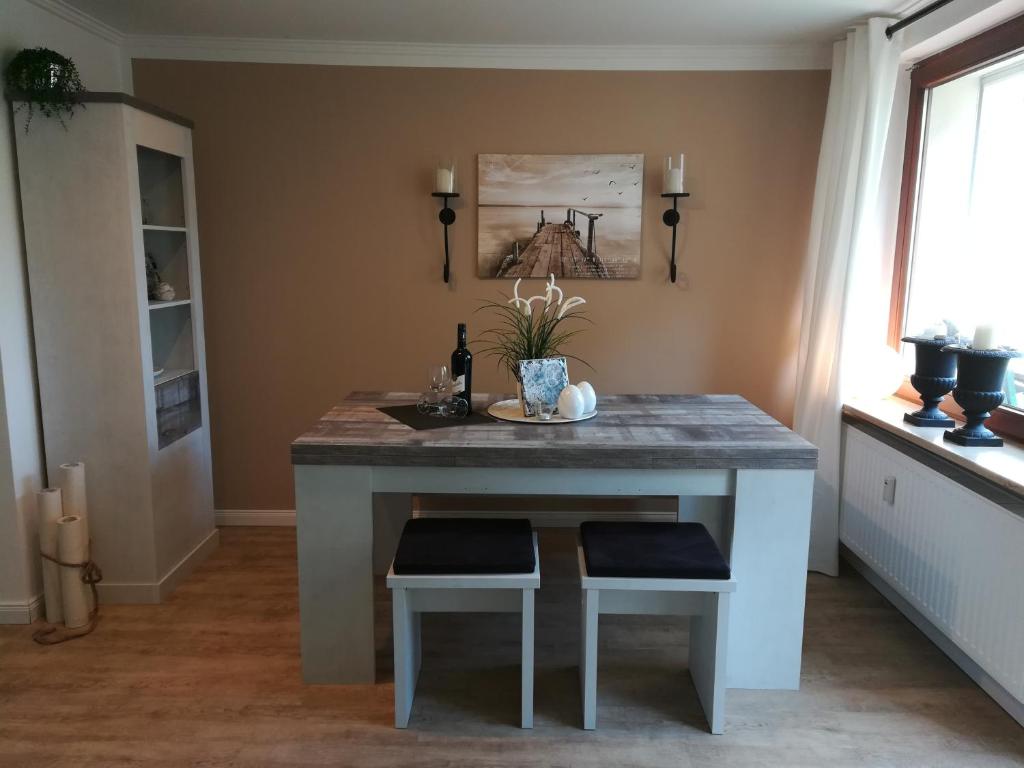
(766, 539)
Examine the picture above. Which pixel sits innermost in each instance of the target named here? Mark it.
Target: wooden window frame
(984, 49)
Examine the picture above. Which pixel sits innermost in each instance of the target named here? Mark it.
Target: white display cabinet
(108, 204)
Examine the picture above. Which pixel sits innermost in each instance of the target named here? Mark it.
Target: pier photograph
(574, 216)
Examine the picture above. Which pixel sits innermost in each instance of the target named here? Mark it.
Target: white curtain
(850, 250)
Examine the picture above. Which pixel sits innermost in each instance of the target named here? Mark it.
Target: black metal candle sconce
(447, 218)
(671, 219)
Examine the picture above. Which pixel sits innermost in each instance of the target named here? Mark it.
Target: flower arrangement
(46, 82)
(532, 328)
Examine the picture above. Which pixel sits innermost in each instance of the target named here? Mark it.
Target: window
(960, 249)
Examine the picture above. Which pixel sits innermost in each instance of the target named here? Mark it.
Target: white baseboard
(13, 612)
(258, 517)
(187, 565)
(1002, 697)
(144, 593)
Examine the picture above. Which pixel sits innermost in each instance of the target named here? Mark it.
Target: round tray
(510, 410)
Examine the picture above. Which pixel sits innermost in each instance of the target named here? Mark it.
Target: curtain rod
(892, 29)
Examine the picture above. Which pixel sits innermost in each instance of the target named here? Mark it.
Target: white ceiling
(496, 22)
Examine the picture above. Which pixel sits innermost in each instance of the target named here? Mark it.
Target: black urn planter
(933, 378)
(979, 391)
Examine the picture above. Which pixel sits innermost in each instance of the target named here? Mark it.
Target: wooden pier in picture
(558, 249)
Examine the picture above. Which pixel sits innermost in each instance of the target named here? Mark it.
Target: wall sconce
(444, 188)
(672, 186)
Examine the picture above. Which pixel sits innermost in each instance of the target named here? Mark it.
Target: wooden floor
(211, 678)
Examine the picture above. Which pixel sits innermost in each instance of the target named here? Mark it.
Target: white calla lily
(533, 299)
(523, 303)
(575, 301)
(551, 290)
(516, 301)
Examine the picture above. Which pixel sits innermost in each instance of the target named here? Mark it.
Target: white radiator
(955, 556)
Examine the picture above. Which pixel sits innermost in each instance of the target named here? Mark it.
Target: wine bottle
(462, 369)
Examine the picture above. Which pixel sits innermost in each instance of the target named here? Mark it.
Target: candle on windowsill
(985, 337)
(672, 181)
(444, 179)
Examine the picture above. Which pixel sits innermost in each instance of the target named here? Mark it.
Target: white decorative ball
(589, 396)
(570, 402)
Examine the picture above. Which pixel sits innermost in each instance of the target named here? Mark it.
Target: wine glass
(440, 379)
(432, 401)
(455, 407)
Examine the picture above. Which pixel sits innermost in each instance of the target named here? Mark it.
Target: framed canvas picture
(542, 379)
(574, 216)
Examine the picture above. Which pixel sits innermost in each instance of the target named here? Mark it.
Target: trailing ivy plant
(45, 82)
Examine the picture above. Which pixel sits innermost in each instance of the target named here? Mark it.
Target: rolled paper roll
(72, 486)
(49, 511)
(73, 547)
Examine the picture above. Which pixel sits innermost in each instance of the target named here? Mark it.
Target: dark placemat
(408, 415)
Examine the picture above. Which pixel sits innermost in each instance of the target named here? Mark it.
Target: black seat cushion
(465, 546)
(652, 551)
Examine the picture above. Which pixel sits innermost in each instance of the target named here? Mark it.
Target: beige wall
(322, 252)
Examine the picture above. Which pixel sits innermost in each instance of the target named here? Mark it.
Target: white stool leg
(417, 643)
(709, 637)
(527, 658)
(588, 658)
(405, 625)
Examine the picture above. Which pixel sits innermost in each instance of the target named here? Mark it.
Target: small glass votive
(672, 175)
(544, 409)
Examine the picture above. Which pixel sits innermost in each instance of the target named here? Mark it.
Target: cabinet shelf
(170, 374)
(165, 304)
(161, 228)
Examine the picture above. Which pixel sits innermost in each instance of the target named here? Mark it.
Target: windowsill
(1001, 466)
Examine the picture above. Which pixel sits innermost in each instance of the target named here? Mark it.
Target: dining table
(703, 446)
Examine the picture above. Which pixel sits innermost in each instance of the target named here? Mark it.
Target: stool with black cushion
(453, 565)
(657, 569)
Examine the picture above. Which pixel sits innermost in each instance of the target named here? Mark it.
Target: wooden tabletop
(629, 432)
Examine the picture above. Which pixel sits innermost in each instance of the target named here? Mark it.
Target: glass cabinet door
(168, 287)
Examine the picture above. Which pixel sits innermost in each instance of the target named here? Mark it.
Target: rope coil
(91, 575)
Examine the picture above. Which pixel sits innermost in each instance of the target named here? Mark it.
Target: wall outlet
(889, 490)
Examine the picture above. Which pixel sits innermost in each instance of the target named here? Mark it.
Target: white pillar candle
(672, 183)
(985, 337)
(445, 180)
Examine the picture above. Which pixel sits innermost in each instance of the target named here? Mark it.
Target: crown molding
(467, 56)
(84, 21)
(382, 54)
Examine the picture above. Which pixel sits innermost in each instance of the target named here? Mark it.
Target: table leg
(334, 518)
(526, 659)
(407, 652)
(770, 538)
(588, 657)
